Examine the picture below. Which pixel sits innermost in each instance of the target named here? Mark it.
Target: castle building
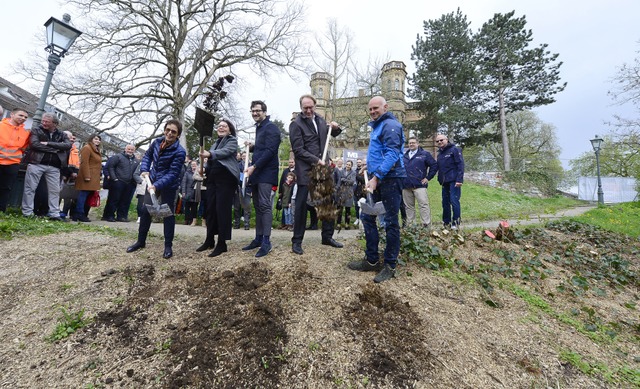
(352, 112)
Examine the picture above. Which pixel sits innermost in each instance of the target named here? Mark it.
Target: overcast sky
(592, 37)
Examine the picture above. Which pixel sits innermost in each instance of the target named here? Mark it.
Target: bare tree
(140, 62)
(336, 49)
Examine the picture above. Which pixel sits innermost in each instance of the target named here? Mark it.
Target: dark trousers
(119, 199)
(347, 214)
(451, 203)
(220, 191)
(190, 211)
(389, 191)
(165, 196)
(8, 176)
(300, 218)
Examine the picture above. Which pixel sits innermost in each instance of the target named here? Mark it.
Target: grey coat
(224, 150)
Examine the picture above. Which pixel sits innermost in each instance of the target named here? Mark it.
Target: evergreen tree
(445, 79)
(514, 77)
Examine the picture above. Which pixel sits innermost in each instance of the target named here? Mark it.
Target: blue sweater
(384, 158)
(165, 168)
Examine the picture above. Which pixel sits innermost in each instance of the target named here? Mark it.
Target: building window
(320, 93)
(397, 85)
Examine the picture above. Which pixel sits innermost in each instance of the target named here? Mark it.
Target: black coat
(307, 144)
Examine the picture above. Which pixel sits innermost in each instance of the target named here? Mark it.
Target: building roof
(12, 96)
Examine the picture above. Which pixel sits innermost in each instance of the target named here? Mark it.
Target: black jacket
(57, 145)
(123, 167)
(307, 144)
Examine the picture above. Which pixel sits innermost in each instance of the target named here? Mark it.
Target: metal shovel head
(204, 122)
(158, 210)
(370, 208)
(375, 209)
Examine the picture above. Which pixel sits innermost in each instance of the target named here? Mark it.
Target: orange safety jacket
(13, 142)
(74, 157)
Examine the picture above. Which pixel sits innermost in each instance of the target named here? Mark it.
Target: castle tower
(321, 89)
(393, 80)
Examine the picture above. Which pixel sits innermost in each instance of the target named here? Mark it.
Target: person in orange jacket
(14, 139)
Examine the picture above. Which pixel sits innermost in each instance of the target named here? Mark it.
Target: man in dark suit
(263, 175)
(308, 134)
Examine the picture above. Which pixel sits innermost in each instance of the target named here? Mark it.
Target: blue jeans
(389, 191)
(451, 202)
(288, 218)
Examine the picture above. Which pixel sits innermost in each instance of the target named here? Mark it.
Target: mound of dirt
(307, 321)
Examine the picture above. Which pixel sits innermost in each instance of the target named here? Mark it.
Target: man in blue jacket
(451, 177)
(386, 170)
(421, 167)
(263, 175)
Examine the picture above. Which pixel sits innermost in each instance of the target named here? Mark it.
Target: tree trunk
(503, 132)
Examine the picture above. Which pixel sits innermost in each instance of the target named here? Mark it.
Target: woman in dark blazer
(223, 176)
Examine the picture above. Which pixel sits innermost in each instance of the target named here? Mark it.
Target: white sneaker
(357, 222)
(138, 221)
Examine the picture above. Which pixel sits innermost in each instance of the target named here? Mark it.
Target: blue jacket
(165, 168)
(421, 166)
(265, 154)
(450, 164)
(384, 158)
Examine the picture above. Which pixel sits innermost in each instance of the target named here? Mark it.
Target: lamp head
(596, 143)
(60, 36)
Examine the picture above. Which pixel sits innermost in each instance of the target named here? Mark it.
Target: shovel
(155, 209)
(369, 207)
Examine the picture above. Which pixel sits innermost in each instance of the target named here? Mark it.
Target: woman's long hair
(90, 141)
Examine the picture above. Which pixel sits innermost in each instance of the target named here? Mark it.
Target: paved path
(313, 237)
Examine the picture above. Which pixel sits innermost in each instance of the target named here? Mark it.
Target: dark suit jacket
(307, 144)
(265, 154)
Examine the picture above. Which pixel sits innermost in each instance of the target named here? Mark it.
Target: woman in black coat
(223, 176)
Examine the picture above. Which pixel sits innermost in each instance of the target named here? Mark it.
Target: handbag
(94, 199)
(279, 204)
(68, 191)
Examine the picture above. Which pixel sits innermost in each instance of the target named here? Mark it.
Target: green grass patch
(481, 203)
(13, 225)
(623, 218)
(616, 375)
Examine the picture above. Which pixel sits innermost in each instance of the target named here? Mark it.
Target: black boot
(221, 247)
(206, 246)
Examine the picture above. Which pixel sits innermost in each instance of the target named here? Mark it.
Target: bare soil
(288, 321)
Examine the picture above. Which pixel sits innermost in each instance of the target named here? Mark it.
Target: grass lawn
(623, 218)
(480, 203)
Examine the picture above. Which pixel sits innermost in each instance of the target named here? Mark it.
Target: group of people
(394, 178)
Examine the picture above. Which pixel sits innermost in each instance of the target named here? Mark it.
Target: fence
(615, 189)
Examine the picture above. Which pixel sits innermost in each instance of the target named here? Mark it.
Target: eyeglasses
(256, 111)
(439, 140)
(168, 131)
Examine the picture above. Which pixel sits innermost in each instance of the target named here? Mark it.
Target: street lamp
(596, 143)
(60, 37)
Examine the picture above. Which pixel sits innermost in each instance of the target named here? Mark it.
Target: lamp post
(60, 37)
(596, 143)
